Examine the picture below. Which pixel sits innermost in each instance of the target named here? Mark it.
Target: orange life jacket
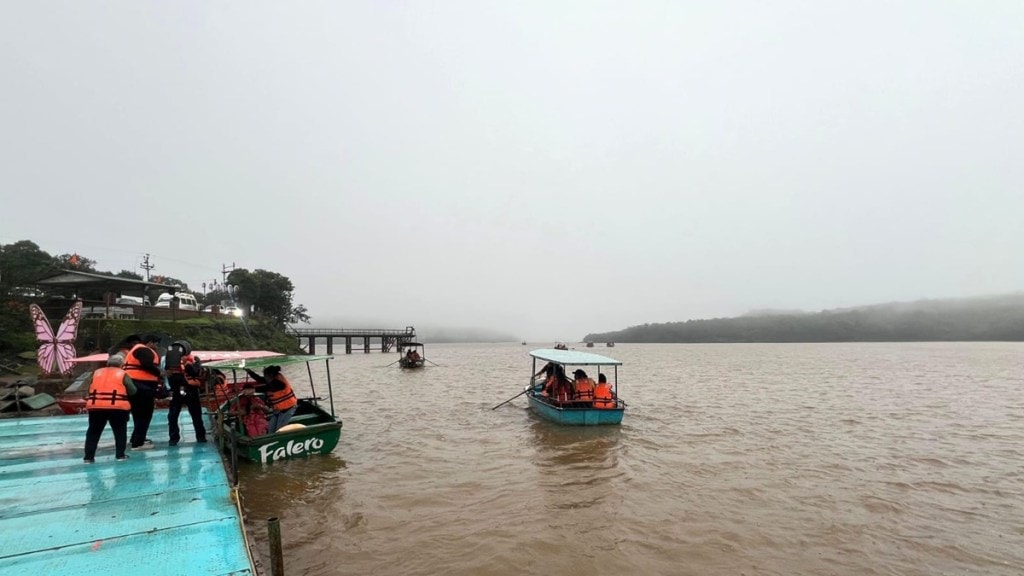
(282, 400)
(134, 369)
(186, 361)
(585, 389)
(107, 391)
(603, 396)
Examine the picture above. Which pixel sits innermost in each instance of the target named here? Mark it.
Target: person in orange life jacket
(583, 387)
(548, 371)
(143, 366)
(558, 387)
(603, 395)
(107, 401)
(251, 410)
(279, 393)
(184, 375)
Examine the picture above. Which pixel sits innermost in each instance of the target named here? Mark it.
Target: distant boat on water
(610, 344)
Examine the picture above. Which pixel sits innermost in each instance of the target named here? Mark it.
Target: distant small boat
(590, 344)
(524, 342)
(411, 355)
(560, 346)
(610, 344)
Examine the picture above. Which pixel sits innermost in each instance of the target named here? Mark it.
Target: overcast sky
(546, 169)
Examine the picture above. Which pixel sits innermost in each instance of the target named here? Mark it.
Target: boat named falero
(562, 391)
(311, 430)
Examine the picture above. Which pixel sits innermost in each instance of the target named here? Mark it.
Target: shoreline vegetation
(989, 318)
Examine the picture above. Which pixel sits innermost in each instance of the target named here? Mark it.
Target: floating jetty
(163, 512)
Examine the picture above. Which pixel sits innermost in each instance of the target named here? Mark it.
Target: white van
(186, 301)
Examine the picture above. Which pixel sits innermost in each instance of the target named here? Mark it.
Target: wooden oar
(513, 398)
(438, 365)
(392, 364)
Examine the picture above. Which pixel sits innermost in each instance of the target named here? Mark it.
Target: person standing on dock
(184, 374)
(143, 366)
(108, 401)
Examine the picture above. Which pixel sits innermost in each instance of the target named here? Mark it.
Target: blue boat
(574, 413)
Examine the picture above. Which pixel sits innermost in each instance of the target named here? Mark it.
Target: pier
(169, 511)
(386, 340)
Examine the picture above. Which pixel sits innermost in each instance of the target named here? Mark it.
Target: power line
(147, 266)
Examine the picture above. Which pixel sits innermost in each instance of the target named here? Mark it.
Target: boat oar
(392, 364)
(513, 398)
(438, 365)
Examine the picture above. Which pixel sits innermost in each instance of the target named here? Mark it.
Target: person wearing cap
(583, 387)
(251, 411)
(108, 402)
(279, 393)
(143, 366)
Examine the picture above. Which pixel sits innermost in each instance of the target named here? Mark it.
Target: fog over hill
(999, 318)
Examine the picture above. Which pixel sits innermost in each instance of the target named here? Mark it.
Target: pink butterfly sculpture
(59, 347)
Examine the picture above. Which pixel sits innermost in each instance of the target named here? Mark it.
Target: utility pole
(224, 271)
(146, 266)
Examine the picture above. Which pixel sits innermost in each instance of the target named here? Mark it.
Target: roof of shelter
(78, 279)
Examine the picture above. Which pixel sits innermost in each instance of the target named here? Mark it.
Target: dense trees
(269, 294)
(992, 318)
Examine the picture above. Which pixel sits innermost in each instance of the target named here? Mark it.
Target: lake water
(786, 459)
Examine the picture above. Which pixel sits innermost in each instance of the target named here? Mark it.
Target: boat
(610, 344)
(561, 346)
(574, 413)
(411, 355)
(590, 344)
(312, 430)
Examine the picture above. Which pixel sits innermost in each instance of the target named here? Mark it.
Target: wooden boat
(590, 344)
(574, 413)
(411, 355)
(312, 430)
(561, 346)
(610, 344)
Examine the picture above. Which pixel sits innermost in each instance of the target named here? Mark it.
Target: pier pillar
(312, 344)
(348, 344)
(366, 344)
(330, 345)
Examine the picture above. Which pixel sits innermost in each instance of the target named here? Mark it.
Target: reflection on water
(758, 459)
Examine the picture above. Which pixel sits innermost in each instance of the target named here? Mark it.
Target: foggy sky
(546, 169)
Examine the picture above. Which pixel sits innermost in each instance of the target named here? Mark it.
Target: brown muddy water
(784, 459)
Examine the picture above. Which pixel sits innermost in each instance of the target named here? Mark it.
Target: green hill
(992, 318)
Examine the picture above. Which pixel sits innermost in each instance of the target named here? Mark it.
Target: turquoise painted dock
(163, 512)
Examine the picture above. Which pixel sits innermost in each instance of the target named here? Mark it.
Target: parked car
(231, 310)
(185, 300)
(133, 301)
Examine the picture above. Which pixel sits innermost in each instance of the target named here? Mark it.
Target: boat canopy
(263, 362)
(573, 358)
(204, 355)
(409, 344)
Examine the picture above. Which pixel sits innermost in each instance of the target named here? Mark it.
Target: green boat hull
(319, 434)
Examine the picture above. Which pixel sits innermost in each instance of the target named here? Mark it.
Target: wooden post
(366, 344)
(348, 344)
(276, 552)
(312, 345)
(330, 345)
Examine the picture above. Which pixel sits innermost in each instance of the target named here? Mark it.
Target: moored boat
(311, 430)
(574, 411)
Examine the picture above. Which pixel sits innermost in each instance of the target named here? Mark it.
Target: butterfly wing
(44, 332)
(65, 353)
(47, 352)
(65, 339)
(68, 329)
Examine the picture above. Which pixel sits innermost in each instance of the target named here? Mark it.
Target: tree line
(995, 318)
